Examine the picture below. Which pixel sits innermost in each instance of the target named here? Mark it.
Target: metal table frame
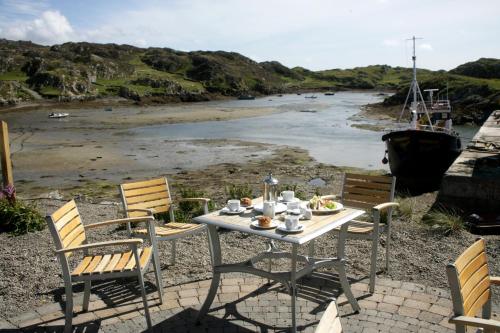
(288, 279)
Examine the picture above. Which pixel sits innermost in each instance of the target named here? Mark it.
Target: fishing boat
(329, 93)
(57, 115)
(312, 96)
(420, 154)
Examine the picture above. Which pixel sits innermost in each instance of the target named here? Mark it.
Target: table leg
(293, 287)
(215, 252)
(340, 267)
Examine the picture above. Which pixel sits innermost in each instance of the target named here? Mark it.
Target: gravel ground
(30, 274)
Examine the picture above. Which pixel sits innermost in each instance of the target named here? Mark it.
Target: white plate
(255, 224)
(226, 210)
(326, 211)
(282, 227)
(248, 207)
(279, 208)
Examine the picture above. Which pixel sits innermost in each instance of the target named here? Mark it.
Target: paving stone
(396, 300)
(440, 310)
(416, 304)
(408, 312)
(430, 317)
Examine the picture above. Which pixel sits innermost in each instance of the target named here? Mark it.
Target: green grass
(50, 92)
(444, 219)
(13, 76)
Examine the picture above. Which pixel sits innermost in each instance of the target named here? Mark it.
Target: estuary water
(321, 125)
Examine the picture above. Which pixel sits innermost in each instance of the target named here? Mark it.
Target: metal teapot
(270, 188)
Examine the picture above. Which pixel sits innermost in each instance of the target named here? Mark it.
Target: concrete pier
(472, 183)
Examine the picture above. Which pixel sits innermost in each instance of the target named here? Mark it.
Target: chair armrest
(495, 280)
(131, 241)
(120, 221)
(385, 205)
(206, 200)
(476, 322)
(150, 211)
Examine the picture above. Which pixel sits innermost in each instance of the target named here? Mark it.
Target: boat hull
(419, 158)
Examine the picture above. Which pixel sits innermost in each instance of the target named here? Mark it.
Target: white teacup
(288, 195)
(291, 222)
(268, 208)
(233, 205)
(294, 205)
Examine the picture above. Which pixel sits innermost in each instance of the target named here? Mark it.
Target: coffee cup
(294, 205)
(233, 205)
(291, 222)
(268, 208)
(288, 195)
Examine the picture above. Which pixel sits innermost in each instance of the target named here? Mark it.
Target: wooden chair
(374, 194)
(69, 237)
(149, 197)
(330, 321)
(470, 284)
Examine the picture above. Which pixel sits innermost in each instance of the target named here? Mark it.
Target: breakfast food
(318, 203)
(246, 202)
(264, 221)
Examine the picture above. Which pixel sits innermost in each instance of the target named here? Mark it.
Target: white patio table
(314, 228)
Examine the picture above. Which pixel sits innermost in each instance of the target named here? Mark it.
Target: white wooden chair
(149, 197)
(470, 284)
(69, 237)
(374, 194)
(330, 321)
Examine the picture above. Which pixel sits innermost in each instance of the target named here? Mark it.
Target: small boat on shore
(56, 115)
(312, 96)
(329, 93)
(420, 154)
(109, 109)
(246, 97)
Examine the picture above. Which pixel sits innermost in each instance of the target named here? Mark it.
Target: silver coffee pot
(270, 188)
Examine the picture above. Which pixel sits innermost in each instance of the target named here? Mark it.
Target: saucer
(283, 228)
(255, 224)
(279, 208)
(293, 211)
(226, 210)
(287, 201)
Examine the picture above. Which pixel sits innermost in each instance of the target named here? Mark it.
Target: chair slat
(362, 184)
(330, 321)
(472, 267)
(72, 225)
(363, 198)
(475, 278)
(147, 190)
(476, 294)
(75, 237)
(68, 217)
(113, 262)
(356, 204)
(92, 265)
(377, 193)
(131, 263)
(479, 303)
(81, 266)
(145, 183)
(102, 264)
(146, 197)
(376, 179)
(150, 204)
(145, 255)
(123, 262)
(469, 254)
(63, 210)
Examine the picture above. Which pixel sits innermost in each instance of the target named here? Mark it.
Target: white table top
(317, 226)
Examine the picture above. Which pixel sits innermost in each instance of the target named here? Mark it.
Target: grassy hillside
(87, 71)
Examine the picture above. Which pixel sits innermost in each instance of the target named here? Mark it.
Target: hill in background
(81, 71)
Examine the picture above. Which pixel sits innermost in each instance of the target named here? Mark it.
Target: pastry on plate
(264, 221)
(245, 202)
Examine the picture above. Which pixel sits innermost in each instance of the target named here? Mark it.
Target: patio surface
(247, 304)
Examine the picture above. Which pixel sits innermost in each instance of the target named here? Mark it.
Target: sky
(315, 34)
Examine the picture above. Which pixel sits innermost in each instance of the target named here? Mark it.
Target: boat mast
(416, 92)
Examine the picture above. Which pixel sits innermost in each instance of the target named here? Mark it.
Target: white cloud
(425, 46)
(49, 28)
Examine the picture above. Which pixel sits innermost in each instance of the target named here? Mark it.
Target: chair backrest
(146, 194)
(330, 321)
(469, 280)
(365, 192)
(66, 227)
